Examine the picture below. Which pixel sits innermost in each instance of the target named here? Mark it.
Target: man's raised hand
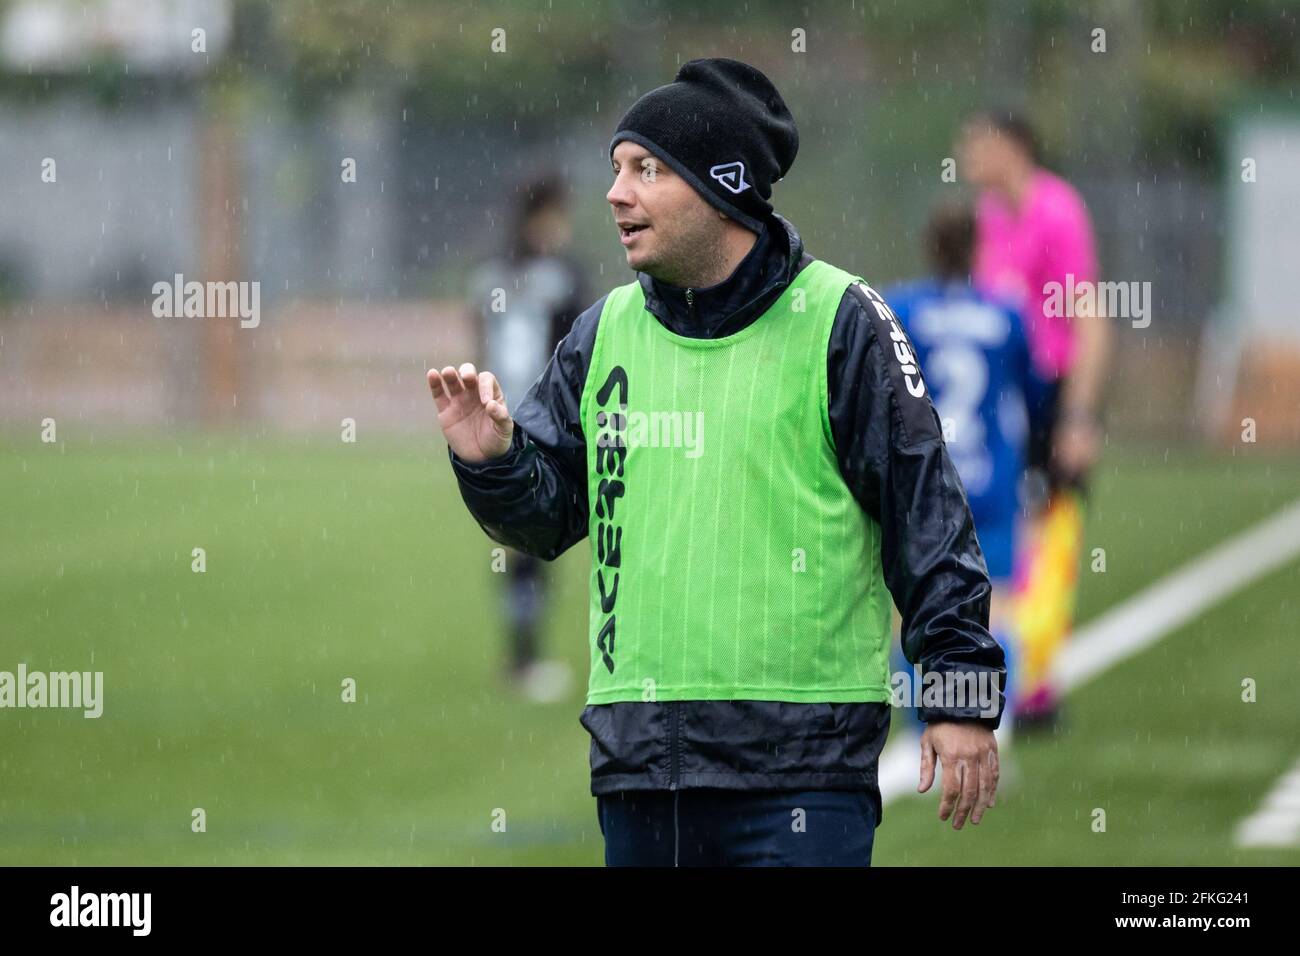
(472, 412)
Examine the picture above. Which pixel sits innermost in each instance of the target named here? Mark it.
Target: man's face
(679, 230)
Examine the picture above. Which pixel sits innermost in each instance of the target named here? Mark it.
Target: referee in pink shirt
(1032, 232)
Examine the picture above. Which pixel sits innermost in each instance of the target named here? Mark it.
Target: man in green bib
(745, 436)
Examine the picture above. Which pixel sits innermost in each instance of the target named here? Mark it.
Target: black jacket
(892, 457)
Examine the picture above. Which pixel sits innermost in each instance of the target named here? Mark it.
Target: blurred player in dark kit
(525, 301)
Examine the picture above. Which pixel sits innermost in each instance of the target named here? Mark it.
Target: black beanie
(722, 126)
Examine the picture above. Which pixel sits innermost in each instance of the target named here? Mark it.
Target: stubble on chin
(696, 255)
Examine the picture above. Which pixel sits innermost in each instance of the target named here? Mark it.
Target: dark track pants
(715, 827)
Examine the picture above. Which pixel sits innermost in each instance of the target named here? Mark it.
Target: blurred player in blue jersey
(975, 360)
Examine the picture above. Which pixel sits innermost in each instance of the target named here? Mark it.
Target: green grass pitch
(325, 561)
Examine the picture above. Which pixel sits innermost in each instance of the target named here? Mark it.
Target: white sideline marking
(1140, 621)
(1173, 601)
(1277, 822)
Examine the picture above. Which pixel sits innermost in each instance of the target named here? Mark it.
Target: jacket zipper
(674, 733)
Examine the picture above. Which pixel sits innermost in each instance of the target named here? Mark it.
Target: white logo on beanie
(731, 175)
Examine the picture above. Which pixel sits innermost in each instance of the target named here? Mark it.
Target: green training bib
(730, 561)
